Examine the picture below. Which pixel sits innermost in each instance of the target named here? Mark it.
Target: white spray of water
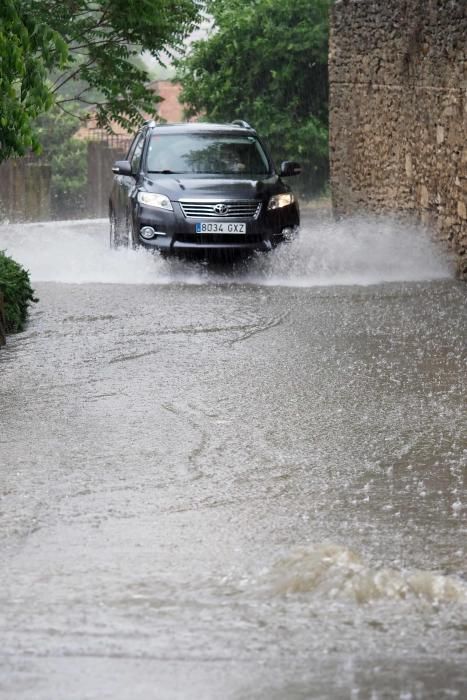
(333, 571)
(355, 251)
(75, 252)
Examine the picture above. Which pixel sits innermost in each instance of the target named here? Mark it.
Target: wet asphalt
(233, 484)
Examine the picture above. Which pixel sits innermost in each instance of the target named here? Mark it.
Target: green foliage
(28, 49)
(69, 177)
(74, 52)
(68, 159)
(105, 39)
(17, 292)
(266, 62)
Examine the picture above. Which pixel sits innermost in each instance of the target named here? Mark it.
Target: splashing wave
(355, 251)
(332, 571)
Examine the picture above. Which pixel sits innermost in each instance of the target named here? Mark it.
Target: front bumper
(178, 233)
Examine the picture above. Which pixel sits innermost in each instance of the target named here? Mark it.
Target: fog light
(147, 232)
(288, 232)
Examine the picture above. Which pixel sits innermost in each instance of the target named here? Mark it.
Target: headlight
(151, 199)
(281, 200)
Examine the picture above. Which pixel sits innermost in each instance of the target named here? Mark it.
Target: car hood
(177, 187)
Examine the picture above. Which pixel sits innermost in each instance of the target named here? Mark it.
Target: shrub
(68, 159)
(17, 292)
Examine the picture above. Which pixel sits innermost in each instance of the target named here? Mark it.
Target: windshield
(214, 154)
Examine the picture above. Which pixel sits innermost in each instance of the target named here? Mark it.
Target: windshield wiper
(168, 172)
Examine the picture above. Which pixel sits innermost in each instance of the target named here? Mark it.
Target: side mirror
(290, 167)
(122, 167)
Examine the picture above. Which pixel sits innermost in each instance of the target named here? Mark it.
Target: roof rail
(149, 122)
(242, 122)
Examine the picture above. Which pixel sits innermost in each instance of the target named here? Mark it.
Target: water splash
(356, 251)
(351, 252)
(75, 252)
(334, 572)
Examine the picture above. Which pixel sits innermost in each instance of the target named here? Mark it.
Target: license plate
(224, 227)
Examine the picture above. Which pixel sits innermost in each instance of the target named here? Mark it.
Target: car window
(135, 158)
(225, 154)
(131, 150)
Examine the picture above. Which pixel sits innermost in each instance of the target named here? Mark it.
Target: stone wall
(398, 117)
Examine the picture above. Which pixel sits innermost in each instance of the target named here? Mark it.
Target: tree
(81, 53)
(105, 39)
(266, 62)
(28, 49)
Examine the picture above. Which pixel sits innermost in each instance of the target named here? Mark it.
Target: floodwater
(240, 484)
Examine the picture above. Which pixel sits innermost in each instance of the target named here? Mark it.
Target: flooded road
(245, 484)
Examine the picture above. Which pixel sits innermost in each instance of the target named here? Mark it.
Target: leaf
(266, 62)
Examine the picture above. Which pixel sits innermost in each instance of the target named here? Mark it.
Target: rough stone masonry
(398, 116)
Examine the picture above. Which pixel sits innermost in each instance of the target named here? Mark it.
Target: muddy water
(235, 484)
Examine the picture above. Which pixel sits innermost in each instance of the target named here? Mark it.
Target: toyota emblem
(221, 209)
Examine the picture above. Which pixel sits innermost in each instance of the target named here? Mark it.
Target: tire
(131, 243)
(113, 231)
(119, 238)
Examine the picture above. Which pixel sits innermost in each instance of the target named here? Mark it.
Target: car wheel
(119, 238)
(113, 231)
(132, 243)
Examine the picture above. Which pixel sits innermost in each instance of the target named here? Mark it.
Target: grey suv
(201, 189)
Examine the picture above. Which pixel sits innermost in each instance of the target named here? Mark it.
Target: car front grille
(240, 209)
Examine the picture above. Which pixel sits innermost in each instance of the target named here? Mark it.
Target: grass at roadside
(17, 293)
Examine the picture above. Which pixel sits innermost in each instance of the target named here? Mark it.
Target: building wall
(398, 116)
(169, 109)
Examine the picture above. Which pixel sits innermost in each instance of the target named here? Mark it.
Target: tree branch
(73, 74)
(78, 98)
